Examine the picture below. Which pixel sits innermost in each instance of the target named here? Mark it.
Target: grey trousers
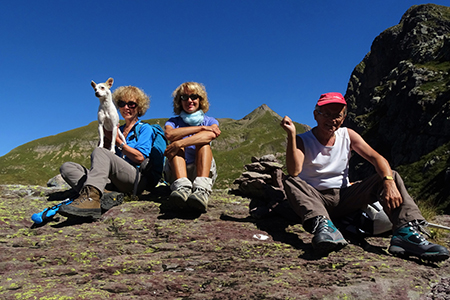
(107, 169)
(308, 202)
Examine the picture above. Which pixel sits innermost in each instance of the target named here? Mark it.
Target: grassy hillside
(256, 134)
(427, 180)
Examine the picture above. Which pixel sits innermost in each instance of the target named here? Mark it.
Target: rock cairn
(262, 179)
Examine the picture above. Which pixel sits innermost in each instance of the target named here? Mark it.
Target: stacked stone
(262, 179)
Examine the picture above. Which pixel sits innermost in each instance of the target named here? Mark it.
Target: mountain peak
(261, 110)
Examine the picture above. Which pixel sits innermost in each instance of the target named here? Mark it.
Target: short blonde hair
(190, 88)
(132, 92)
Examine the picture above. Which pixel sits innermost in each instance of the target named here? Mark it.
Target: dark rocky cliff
(399, 95)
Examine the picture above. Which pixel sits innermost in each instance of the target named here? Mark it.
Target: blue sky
(283, 53)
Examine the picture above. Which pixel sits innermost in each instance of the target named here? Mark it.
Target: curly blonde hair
(132, 93)
(190, 88)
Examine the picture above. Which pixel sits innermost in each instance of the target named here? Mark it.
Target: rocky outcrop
(138, 251)
(399, 94)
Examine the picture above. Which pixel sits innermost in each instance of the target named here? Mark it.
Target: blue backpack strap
(137, 129)
(153, 166)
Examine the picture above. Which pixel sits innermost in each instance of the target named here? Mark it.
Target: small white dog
(108, 118)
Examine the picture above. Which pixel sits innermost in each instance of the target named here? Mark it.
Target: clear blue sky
(283, 53)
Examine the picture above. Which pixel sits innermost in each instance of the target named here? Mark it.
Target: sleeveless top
(326, 167)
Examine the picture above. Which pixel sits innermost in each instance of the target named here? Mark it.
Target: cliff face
(399, 95)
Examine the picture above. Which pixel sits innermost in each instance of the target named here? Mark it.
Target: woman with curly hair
(190, 167)
(119, 170)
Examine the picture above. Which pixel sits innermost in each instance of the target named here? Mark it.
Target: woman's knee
(67, 167)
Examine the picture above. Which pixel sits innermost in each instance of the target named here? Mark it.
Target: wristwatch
(388, 177)
(121, 146)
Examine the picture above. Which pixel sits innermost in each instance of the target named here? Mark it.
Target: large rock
(398, 95)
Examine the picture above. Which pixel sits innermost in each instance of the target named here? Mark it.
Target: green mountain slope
(257, 134)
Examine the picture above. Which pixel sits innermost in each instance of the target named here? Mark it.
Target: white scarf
(194, 119)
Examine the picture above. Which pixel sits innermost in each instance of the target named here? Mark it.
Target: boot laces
(84, 196)
(419, 228)
(320, 224)
(200, 190)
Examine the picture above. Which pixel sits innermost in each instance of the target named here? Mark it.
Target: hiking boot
(86, 205)
(408, 241)
(178, 198)
(327, 237)
(198, 199)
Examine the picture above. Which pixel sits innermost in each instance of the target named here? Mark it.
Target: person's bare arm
(294, 149)
(201, 137)
(175, 134)
(391, 195)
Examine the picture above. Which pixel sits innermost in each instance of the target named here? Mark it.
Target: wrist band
(388, 178)
(121, 146)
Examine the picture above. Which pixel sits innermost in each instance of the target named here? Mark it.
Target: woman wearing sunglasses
(118, 171)
(190, 167)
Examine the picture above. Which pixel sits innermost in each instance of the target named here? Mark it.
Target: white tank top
(326, 167)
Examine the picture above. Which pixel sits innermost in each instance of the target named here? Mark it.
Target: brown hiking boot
(86, 205)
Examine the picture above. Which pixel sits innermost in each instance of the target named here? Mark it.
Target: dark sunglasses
(130, 104)
(191, 96)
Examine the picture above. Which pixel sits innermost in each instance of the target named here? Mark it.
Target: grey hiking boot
(408, 241)
(198, 199)
(327, 237)
(178, 198)
(86, 205)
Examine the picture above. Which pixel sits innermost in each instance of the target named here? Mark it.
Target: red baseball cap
(331, 98)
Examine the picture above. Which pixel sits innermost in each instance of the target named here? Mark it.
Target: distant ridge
(257, 134)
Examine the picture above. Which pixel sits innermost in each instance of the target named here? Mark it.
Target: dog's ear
(109, 82)
(93, 84)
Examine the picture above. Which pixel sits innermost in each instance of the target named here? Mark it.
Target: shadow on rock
(169, 212)
(73, 221)
(275, 226)
(62, 195)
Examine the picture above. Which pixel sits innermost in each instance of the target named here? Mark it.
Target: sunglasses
(329, 116)
(191, 96)
(130, 104)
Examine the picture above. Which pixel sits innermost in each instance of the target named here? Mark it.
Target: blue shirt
(141, 140)
(177, 122)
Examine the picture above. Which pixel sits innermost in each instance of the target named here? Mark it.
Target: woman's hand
(171, 150)
(214, 129)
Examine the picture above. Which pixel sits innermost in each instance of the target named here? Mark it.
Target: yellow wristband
(388, 178)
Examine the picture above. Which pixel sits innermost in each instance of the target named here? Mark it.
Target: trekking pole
(438, 226)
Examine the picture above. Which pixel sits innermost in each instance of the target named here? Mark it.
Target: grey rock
(58, 182)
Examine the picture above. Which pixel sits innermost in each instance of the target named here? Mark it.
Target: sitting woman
(119, 171)
(190, 168)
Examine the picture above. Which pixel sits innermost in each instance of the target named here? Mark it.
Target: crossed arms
(199, 135)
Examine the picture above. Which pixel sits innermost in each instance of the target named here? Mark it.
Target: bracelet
(388, 178)
(121, 146)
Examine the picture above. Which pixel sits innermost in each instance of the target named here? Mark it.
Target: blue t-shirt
(141, 141)
(177, 122)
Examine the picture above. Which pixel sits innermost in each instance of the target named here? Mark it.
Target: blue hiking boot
(327, 237)
(48, 213)
(408, 241)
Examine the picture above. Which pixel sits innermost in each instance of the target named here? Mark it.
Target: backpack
(152, 166)
(369, 221)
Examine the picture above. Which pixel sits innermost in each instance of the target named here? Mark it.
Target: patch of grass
(425, 180)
